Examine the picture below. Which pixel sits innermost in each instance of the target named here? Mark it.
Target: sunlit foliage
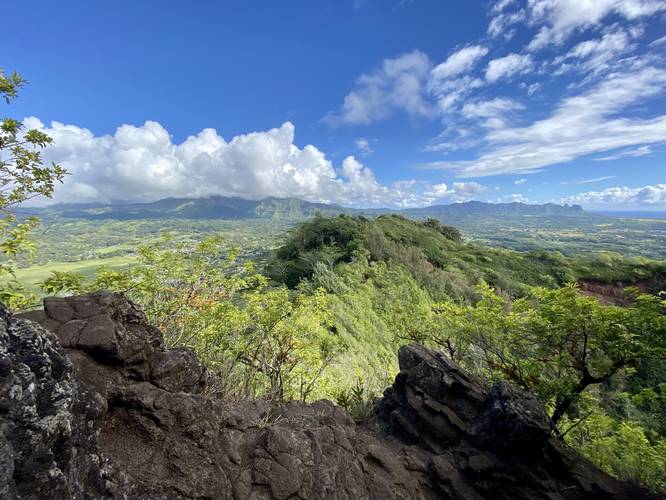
(23, 176)
(265, 341)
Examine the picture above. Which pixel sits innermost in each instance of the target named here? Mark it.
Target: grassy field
(33, 275)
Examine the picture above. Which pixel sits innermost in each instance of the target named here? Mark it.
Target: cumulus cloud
(143, 163)
(559, 19)
(518, 182)
(580, 125)
(650, 195)
(468, 188)
(508, 66)
(397, 85)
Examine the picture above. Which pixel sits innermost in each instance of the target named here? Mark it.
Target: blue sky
(359, 102)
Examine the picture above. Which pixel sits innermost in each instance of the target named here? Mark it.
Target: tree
(23, 176)
(620, 448)
(452, 233)
(555, 342)
(286, 339)
(589, 342)
(267, 341)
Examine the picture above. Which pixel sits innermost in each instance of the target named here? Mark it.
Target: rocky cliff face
(93, 405)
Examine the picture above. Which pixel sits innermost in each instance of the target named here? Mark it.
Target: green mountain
(443, 263)
(221, 207)
(482, 208)
(212, 207)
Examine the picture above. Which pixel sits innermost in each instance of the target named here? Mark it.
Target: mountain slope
(439, 259)
(480, 208)
(221, 207)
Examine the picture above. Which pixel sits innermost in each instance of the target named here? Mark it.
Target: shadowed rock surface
(93, 405)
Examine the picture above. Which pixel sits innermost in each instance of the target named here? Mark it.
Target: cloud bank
(645, 196)
(142, 163)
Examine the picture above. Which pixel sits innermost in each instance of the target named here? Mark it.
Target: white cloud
(449, 84)
(397, 85)
(501, 5)
(609, 77)
(363, 145)
(459, 62)
(450, 93)
(628, 153)
(611, 42)
(468, 188)
(580, 125)
(561, 18)
(651, 195)
(599, 54)
(533, 88)
(518, 182)
(492, 112)
(143, 164)
(409, 83)
(596, 179)
(508, 66)
(492, 108)
(513, 198)
(589, 181)
(499, 23)
(438, 190)
(459, 191)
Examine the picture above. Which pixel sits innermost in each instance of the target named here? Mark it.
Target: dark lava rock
(102, 409)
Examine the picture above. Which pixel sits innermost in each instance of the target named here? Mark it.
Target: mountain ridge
(221, 207)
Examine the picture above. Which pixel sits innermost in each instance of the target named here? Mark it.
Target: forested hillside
(442, 262)
(343, 294)
(599, 369)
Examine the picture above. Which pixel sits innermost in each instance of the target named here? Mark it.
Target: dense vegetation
(325, 315)
(441, 262)
(599, 369)
(342, 294)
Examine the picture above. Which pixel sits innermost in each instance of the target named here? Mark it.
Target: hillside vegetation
(343, 294)
(440, 260)
(504, 314)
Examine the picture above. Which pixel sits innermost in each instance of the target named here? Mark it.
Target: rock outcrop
(93, 405)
